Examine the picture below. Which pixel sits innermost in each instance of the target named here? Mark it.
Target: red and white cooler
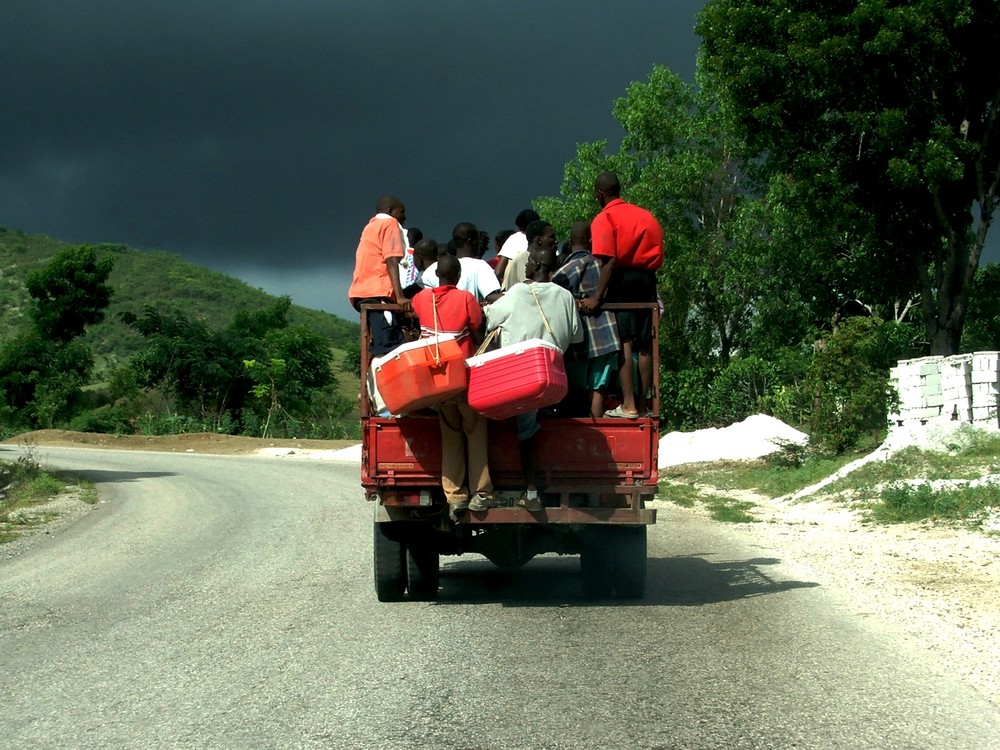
(517, 378)
(420, 374)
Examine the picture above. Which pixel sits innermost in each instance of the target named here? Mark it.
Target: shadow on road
(688, 581)
(98, 476)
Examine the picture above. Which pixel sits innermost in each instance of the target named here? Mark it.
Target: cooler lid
(410, 346)
(511, 349)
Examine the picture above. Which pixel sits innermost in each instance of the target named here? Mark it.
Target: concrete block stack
(956, 388)
(961, 388)
(918, 383)
(985, 379)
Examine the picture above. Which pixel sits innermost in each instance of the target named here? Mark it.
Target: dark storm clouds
(254, 137)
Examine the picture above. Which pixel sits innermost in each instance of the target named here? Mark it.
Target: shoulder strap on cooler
(540, 310)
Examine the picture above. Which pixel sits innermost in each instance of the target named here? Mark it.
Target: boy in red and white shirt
(465, 473)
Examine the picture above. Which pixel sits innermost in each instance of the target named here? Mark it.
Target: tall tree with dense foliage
(70, 293)
(882, 117)
(43, 371)
(678, 159)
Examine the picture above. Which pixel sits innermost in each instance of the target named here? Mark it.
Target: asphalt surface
(227, 602)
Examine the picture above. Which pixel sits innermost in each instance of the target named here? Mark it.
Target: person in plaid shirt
(592, 364)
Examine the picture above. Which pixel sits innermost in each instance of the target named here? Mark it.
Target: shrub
(848, 380)
(900, 502)
(109, 419)
(738, 390)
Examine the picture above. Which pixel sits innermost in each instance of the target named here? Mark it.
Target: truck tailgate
(407, 452)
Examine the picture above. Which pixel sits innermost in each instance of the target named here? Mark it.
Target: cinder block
(988, 361)
(956, 373)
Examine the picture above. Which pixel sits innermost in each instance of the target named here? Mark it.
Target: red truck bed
(594, 475)
(608, 457)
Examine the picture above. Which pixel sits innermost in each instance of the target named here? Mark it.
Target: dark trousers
(384, 328)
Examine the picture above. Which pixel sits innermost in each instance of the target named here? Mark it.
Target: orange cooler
(517, 378)
(420, 374)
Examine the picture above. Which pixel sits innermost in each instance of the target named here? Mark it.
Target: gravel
(936, 586)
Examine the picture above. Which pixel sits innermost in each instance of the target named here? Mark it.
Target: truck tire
(390, 566)
(597, 564)
(630, 562)
(423, 571)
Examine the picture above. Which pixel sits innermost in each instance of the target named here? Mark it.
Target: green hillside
(140, 278)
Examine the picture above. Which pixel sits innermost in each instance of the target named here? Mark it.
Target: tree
(982, 329)
(256, 362)
(882, 116)
(200, 369)
(43, 371)
(680, 159)
(70, 293)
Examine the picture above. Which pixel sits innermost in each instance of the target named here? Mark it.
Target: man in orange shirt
(376, 272)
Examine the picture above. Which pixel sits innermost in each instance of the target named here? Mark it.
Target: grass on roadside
(919, 484)
(779, 474)
(907, 488)
(721, 508)
(902, 502)
(24, 486)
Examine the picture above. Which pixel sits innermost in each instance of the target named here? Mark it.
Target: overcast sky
(254, 136)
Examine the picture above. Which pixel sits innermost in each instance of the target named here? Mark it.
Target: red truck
(595, 476)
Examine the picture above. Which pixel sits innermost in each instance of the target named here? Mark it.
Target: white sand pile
(351, 454)
(754, 437)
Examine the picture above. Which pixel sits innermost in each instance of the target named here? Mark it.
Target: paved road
(220, 602)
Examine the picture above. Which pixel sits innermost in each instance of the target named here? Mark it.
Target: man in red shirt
(628, 240)
(376, 272)
(448, 309)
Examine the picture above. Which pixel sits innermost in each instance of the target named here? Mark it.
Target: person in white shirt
(407, 270)
(535, 308)
(517, 242)
(477, 276)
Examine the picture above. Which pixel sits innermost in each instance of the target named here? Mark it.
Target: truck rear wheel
(630, 562)
(389, 565)
(423, 570)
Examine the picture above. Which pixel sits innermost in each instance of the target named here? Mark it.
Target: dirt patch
(199, 442)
